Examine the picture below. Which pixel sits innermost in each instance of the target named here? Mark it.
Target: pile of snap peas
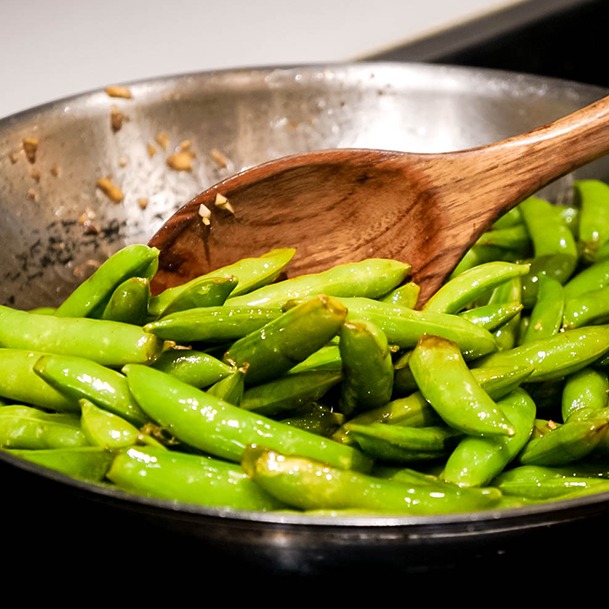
(333, 393)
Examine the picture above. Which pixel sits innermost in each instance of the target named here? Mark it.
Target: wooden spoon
(336, 206)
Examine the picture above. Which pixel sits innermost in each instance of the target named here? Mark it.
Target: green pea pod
(589, 308)
(372, 278)
(111, 343)
(449, 386)
(326, 358)
(569, 441)
(88, 463)
(593, 277)
(290, 391)
(404, 326)
(188, 478)
(509, 292)
(129, 302)
(230, 388)
(136, 260)
(476, 461)
(105, 429)
(546, 317)
(593, 198)
(404, 444)
(405, 295)
(211, 324)
(31, 428)
(317, 418)
(193, 367)
(367, 367)
(78, 378)
(586, 388)
(472, 284)
(544, 483)
(512, 217)
(307, 484)
(480, 254)
(290, 338)
(515, 238)
(223, 430)
(206, 292)
(554, 357)
(19, 382)
(252, 273)
(494, 315)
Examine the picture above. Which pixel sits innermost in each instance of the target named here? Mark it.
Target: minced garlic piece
(223, 202)
(205, 214)
(117, 118)
(111, 190)
(151, 150)
(32, 194)
(56, 171)
(30, 147)
(162, 139)
(118, 91)
(218, 158)
(181, 160)
(142, 202)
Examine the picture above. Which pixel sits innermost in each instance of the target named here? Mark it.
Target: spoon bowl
(344, 205)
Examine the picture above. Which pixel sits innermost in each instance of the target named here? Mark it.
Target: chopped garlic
(224, 203)
(112, 191)
(205, 214)
(116, 91)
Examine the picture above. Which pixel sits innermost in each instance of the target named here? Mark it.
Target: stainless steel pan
(56, 223)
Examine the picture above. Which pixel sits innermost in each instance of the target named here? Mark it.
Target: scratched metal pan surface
(56, 223)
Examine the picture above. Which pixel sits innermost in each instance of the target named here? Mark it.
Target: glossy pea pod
(111, 343)
(307, 484)
(277, 346)
(371, 278)
(593, 230)
(192, 366)
(251, 273)
(493, 316)
(509, 292)
(210, 424)
(90, 297)
(592, 307)
(317, 418)
(447, 383)
(475, 461)
(367, 367)
(188, 478)
(546, 317)
(405, 295)
(586, 388)
(593, 277)
(129, 302)
(231, 388)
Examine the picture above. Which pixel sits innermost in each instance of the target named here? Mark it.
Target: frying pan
(56, 224)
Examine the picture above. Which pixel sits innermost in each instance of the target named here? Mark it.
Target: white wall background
(53, 48)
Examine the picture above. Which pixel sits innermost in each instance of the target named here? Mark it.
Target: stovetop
(558, 38)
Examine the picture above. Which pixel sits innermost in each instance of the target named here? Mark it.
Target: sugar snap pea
(223, 430)
(129, 301)
(593, 229)
(493, 315)
(586, 388)
(111, 343)
(585, 309)
(231, 387)
(90, 296)
(192, 366)
(372, 277)
(592, 277)
(449, 386)
(546, 316)
(307, 484)
(317, 418)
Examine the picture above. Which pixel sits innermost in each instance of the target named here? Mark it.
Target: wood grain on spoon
(342, 205)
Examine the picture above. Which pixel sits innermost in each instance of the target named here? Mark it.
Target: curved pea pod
(450, 387)
(545, 483)
(593, 277)
(372, 278)
(188, 478)
(202, 292)
(307, 484)
(472, 284)
(223, 430)
(230, 388)
(405, 295)
(586, 388)
(31, 428)
(593, 198)
(476, 461)
(546, 317)
(558, 266)
(111, 343)
(570, 441)
(510, 291)
(290, 391)
(554, 357)
(129, 302)
(78, 378)
(192, 366)
(515, 238)
(317, 418)
(19, 382)
(88, 463)
(89, 297)
(367, 367)
(404, 326)
(290, 338)
(325, 358)
(585, 309)
(404, 444)
(252, 273)
(211, 324)
(494, 315)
